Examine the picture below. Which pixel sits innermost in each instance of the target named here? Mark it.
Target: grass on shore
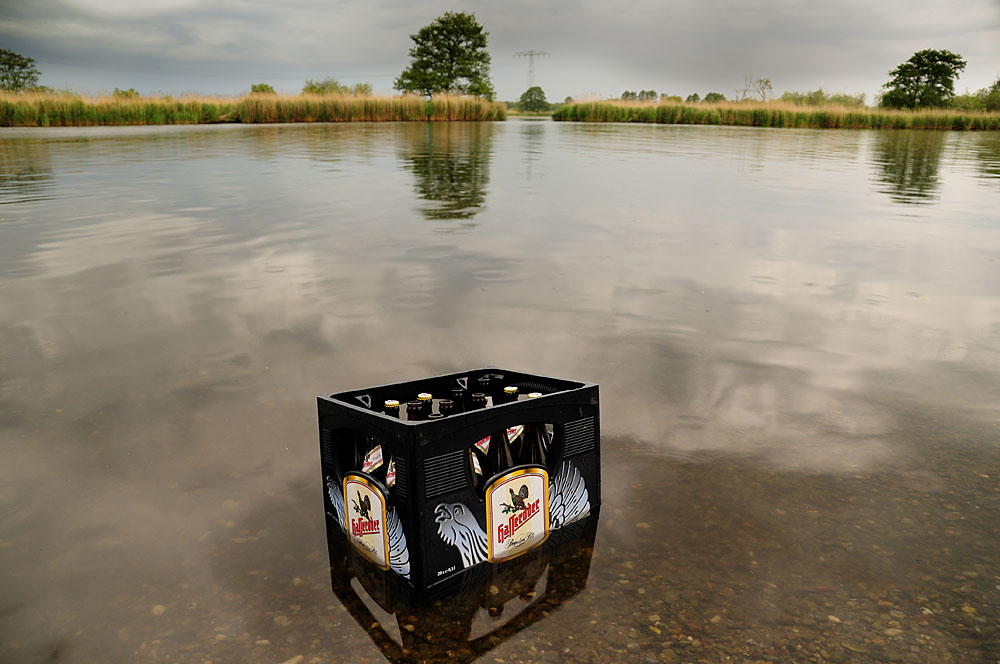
(777, 115)
(41, 110)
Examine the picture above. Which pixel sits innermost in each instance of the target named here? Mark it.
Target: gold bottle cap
(391, 403)
(534, 395)
(424, 396)
(510, 389)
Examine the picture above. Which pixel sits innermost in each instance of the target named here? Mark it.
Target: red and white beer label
(512, 433)
(365, 507)
(390, 473)
(517, 512)
(373, 459)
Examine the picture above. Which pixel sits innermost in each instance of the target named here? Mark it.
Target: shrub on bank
(777, 115)
(45, 110)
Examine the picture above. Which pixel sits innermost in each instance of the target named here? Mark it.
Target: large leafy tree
(449, 55)
(533, 100)
(926, 79)
(17, 72)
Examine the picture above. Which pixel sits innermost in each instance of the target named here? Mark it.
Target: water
(796, 333)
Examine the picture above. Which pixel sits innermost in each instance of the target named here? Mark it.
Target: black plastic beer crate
(433, 525)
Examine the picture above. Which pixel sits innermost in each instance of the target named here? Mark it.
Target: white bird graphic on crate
(458, 526)
(568, 502)
(399, 555)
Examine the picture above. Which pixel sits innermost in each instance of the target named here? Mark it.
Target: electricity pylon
(531, 63)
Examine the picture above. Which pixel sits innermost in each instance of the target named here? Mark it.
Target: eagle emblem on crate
(568, 502)
(383, 543)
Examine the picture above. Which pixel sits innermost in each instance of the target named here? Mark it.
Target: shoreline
(778, 116)
(74, 111)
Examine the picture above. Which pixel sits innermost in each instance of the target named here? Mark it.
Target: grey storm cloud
(596, 47)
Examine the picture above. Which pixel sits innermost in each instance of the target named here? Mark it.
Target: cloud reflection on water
(171, 308)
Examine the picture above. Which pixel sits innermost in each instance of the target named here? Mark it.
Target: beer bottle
(478, 401)
(391, 408)
(427, 401)
(458, 395)
(514, 432)
(447, 407)
(535, 442)
(498, 457)
(369, 458)
(487, 386)
(415, 411)
(359, 447)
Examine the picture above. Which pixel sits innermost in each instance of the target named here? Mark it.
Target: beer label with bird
(517, 512)
(366, 511)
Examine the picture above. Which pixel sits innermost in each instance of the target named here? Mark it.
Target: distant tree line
(926, 80)
(820, 97)
(449, 55)
(651, 95)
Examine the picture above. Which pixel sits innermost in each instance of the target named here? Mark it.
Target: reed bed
(778, 115)
(40, 110)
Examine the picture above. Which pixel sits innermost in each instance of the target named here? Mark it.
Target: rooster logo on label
(568, 502)
(363, 506)
(517, 499)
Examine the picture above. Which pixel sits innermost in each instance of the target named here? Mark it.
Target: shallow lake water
(796, 334)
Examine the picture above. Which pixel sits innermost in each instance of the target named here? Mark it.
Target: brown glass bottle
(461, 399)
(371, 458)
(426, 399)
(498, 456)
(535, 442)
(391, 408)
(415, 411)
(509, 394)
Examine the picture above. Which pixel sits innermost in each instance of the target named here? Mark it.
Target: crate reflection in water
(471, 613)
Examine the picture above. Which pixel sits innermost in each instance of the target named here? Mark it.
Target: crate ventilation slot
(443, 474)
(326, 446)
(400, 477)
(579, 437)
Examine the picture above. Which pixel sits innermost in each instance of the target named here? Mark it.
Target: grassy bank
(40, 110)
(777, 115)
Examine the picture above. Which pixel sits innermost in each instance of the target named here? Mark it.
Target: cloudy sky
(597, 47)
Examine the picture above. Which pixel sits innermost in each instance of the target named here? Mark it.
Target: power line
(531, 55)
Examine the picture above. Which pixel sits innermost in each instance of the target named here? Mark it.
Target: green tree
(125, 94)
(991, 96)
(630, 95)
(17, 72)
(926, 79)
(449, 55)
(693, 98)
(714, 98)
(328, 86)
(647, 95)
(261, 88)
(533, 100)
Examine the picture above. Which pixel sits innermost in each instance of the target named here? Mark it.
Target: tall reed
(777, 115)
(40, 110)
